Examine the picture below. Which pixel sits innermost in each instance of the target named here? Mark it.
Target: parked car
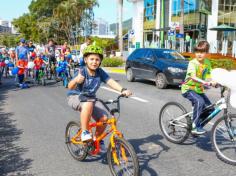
(164, 66)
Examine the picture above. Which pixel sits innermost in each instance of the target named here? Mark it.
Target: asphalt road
(33, 121)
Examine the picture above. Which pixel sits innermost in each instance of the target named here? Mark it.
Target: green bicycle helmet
(93, 49)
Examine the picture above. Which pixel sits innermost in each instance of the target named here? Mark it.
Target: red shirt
(22, 64)
(38, 62)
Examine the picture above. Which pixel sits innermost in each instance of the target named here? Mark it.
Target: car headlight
(175, 70)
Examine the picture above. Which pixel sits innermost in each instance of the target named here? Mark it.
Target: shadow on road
(203, 142)
(148, 149)
(11, 160)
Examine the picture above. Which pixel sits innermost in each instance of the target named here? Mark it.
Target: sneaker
(198, 131)
(86, 136)
(103, 148)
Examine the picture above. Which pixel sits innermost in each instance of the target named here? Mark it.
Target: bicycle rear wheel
(122, 159)
(77, 151)
(175, 131)
(223, 145)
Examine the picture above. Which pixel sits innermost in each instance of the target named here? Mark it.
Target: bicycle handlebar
(116, 101)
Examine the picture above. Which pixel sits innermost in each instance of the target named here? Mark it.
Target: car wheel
(130, 75)
(161, 81)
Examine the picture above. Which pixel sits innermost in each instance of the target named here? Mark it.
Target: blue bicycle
(176, 125)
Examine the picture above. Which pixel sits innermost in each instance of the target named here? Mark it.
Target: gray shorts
(99, 110)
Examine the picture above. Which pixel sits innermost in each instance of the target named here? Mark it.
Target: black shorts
(52, 59)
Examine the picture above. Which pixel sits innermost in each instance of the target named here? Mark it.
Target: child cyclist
(22, 65)
(198, 76)
(83, 88)
(38, 65)
(62, 66)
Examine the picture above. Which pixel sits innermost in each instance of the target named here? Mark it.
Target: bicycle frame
(113, 129)
(219, 106)
(112, 121)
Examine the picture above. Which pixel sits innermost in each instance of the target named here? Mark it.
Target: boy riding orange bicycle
(83, 88)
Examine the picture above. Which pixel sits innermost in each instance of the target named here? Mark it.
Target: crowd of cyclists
(27, 61)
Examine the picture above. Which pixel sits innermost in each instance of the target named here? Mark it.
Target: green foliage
(8, 40)
(222, 63)
(227, 64)
(43, 8)
(105, 44)
(54, 19)
(112, 62)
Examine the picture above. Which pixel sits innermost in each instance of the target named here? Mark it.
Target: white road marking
(133, 97)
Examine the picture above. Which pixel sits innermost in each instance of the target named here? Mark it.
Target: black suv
(164, 66)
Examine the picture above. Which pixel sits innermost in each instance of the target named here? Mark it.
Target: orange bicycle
(121, 157)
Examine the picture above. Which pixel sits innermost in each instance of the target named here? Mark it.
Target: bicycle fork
(114, 148)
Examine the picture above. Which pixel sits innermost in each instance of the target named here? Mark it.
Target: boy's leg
(85, 115)
(99, 114)
(21, 78)
(198, 103)
(205, 114)
(35, 75)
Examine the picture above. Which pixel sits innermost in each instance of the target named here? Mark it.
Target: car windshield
(169, 54)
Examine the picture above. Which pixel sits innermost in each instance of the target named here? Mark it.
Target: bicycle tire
(175, 139)
(128, 148)
(215, 145)
(84, 149)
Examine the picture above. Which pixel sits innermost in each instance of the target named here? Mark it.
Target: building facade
(4, 26)
(160, 20)
(127, 25)
(101, 27)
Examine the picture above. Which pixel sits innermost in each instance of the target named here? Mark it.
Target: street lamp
(120, 18)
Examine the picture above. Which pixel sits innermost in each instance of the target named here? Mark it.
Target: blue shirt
(91, 83)
(63, 64)
(22, 50)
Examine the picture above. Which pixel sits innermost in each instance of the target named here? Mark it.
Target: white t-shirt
(82, 47)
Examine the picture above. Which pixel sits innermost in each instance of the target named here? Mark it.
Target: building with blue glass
(158, 19)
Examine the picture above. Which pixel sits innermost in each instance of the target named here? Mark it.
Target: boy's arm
(116, 86)
(79, 79)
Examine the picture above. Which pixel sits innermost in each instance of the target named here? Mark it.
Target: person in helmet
(83, 88)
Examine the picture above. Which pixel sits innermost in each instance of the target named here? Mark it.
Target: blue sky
(10, 9)
(107, 10)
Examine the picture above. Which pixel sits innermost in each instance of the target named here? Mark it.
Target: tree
(8, 40)
(26, 25)
(58, 19)
(69, 14)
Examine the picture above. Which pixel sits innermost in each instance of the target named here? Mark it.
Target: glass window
(149, 10)
(169, 54)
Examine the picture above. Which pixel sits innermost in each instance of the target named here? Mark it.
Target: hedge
(227, 64)
(112, 62)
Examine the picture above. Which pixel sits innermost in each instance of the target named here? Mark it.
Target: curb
(119, 70)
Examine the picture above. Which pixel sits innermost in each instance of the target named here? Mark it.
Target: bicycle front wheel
(77, 151)
(223, 145)
(175, 131)
(122, 159)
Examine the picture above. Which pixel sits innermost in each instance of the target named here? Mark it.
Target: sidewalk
(119, 70)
